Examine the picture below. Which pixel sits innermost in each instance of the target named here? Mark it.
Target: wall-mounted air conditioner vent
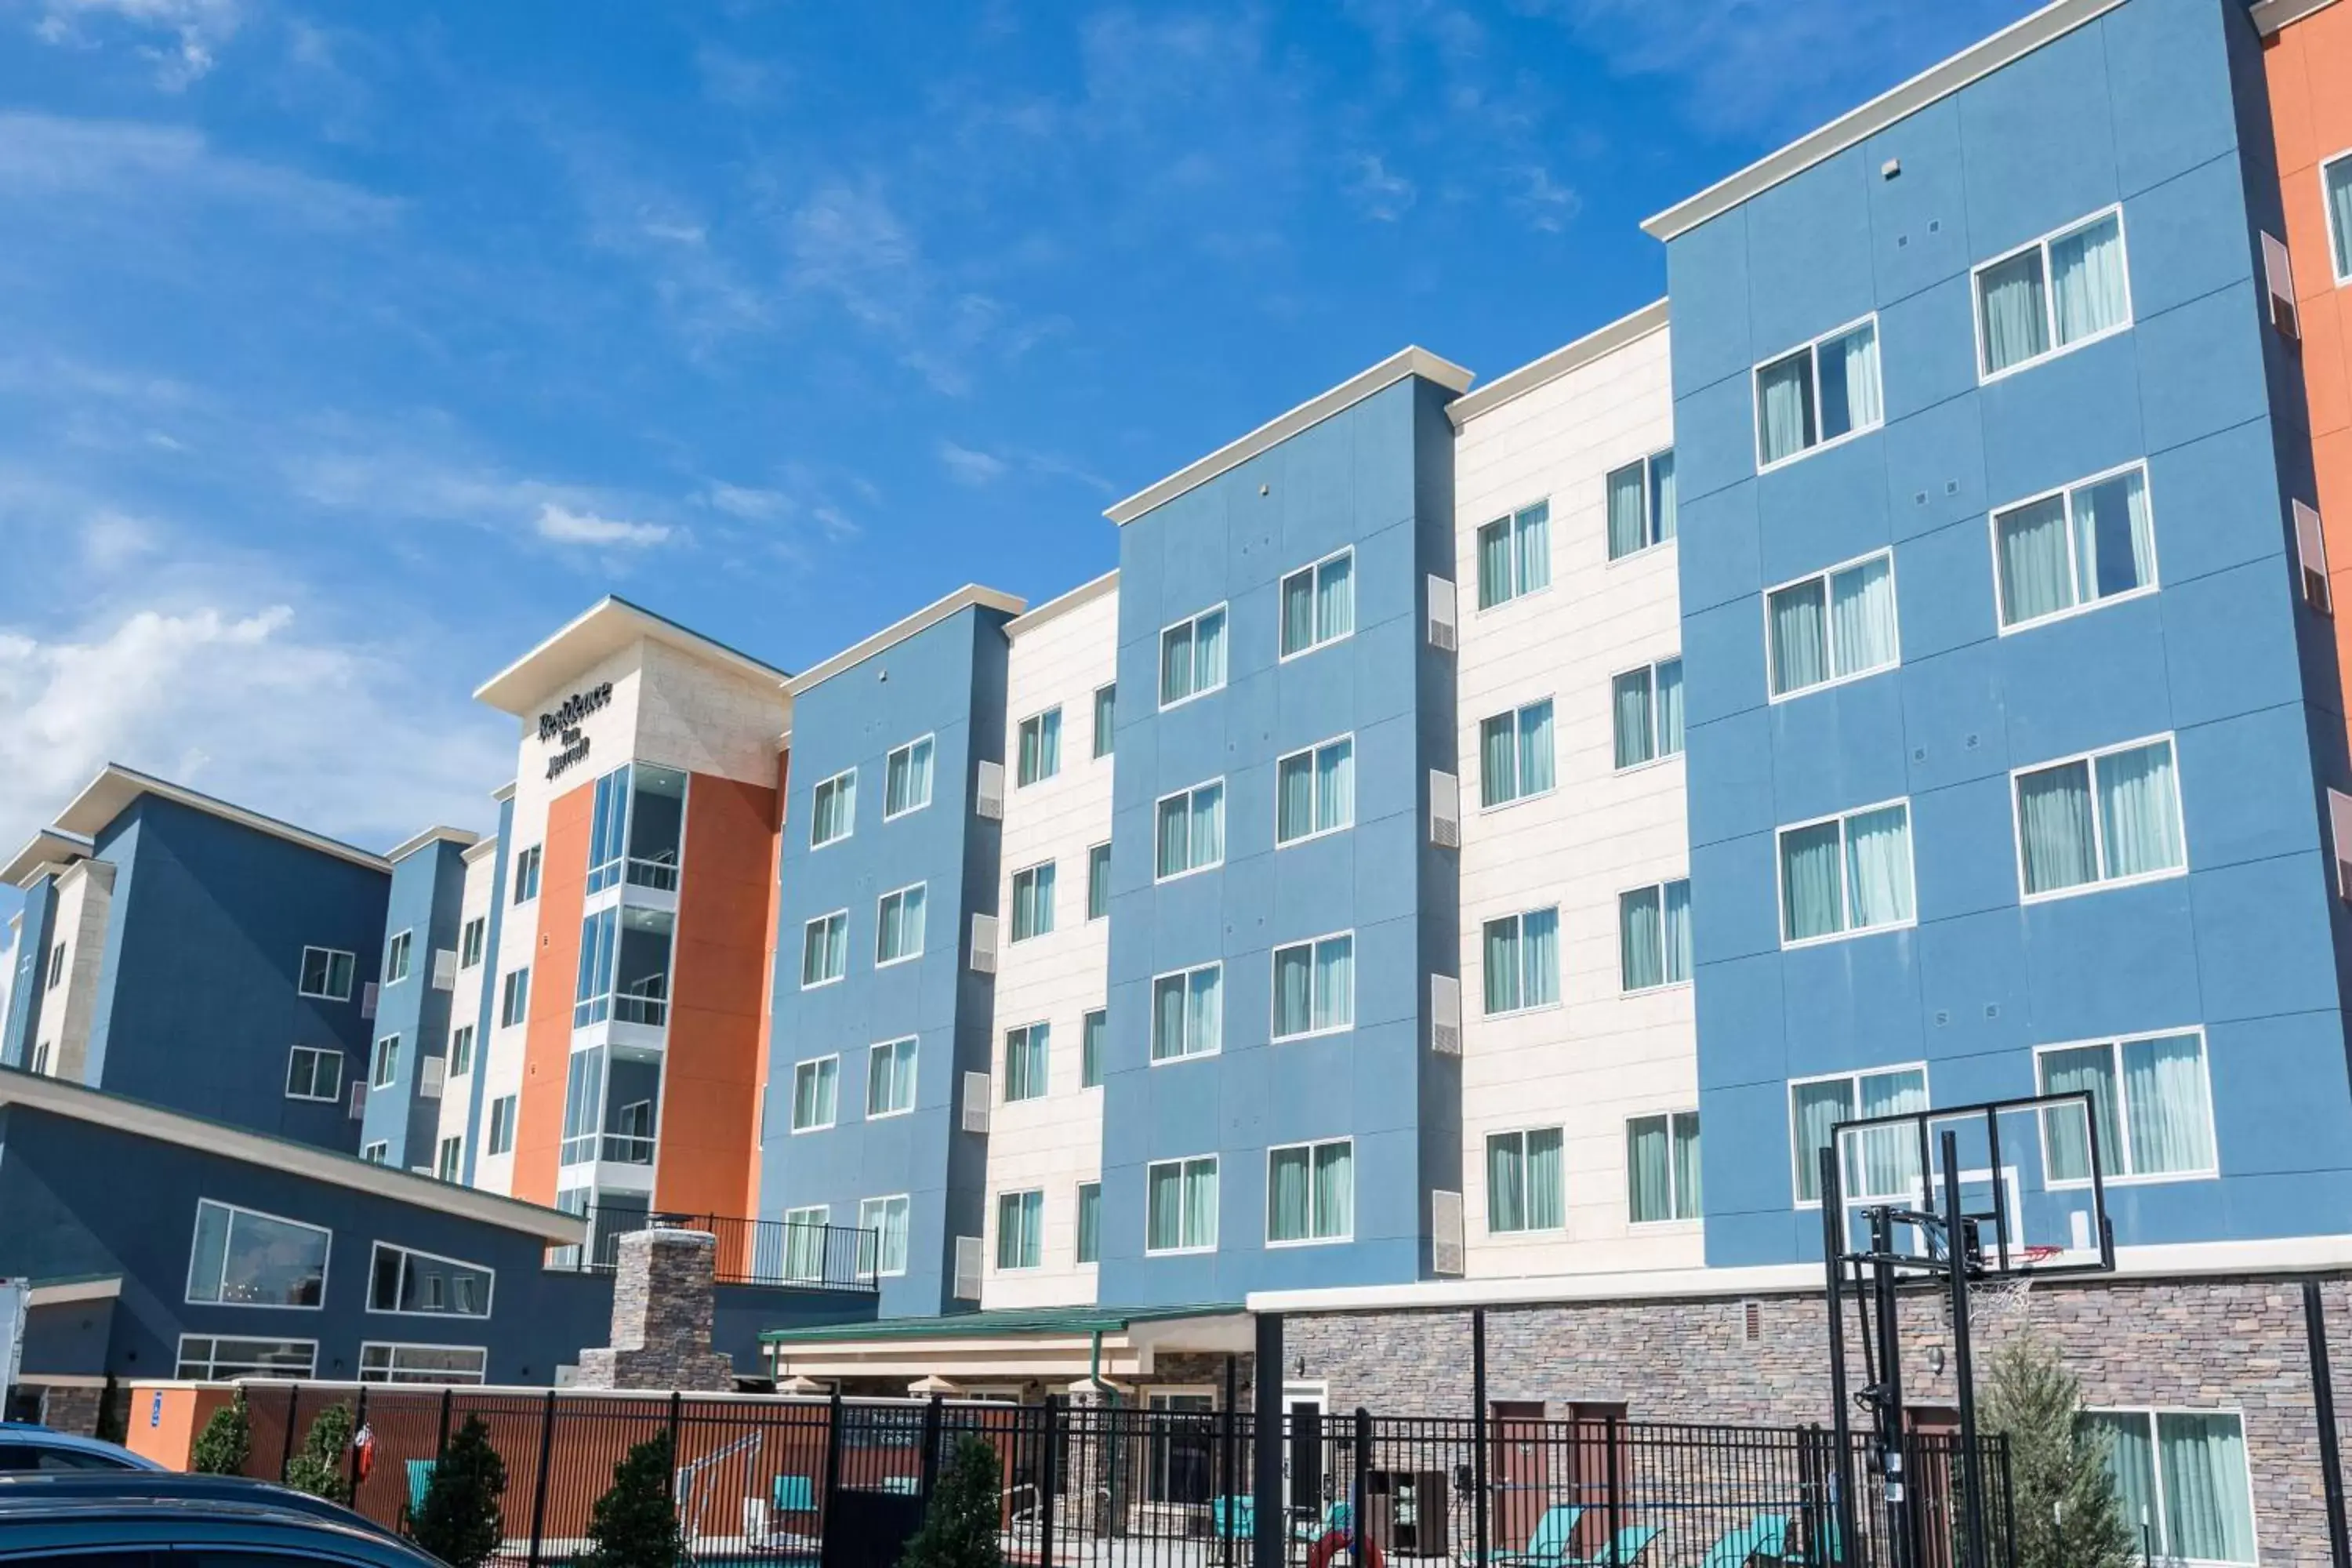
(968, 1257)
(1444, 628)
(1447, 1252)
(1444, 810)
(445, 969)
(1445, 1015)
(2278, 275)
(2311, 551)
(988, 796)
(975, 1101)
(983, 944)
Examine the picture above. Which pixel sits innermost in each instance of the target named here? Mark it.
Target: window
(503, 1125)
(1526, 1185)
(1514, 556)
(1522, 955)
(421, 1364)
(1026, 1051)
(449, 1158)
(1642, 505)
(1514, 754)
(833, 809)
(1846, 874)
(2150, 1103)
(387, 1062)
(1192, 657)
(525, 875)
(1089, 1248)
(1039, 752)
(326, 971)
(469, 942)
(514, 999)
(1188, 1013)
(1310, 1193)
(885, 1252)
(1033, 901)
(243, 1258)
(898, 926)
(40, 1065)
(1818, 395)
(2335, 184)
(57, 966)
(1877, 1163)
(395, 960)
(600, 940)
(1020, 1229)
(1839, 625)
(2110, 817)
(2074, 547)
(1098, 883)
(1315, 791)
(2064, 289)
(1315, 986)
(1662, 1168)
(461, 1050)
(1106, 713)
(1646, 706)
(804, 1239)
(815, 1089)
(2184, 1473)
(1180, 1205)
(314, 1073)
(907, 779)
(890, 1078)
(421, 1284)
(1190, 831)
(376, 1153)
(1653, 936)
(824, 949)
(1318, 603)
(1094, 1033)
(206, 1359)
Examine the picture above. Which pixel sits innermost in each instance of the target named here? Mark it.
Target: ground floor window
(2184, 1472)
(421, 1364)
(206, 1359)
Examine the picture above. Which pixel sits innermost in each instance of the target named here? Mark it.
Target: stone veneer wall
(663, 1305)
(2200, 1345)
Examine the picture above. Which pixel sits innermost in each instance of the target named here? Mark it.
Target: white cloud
(196, 29)
(563, 526)
(140, 168)
(1384, 196)
(967, 466)
(1549, 207)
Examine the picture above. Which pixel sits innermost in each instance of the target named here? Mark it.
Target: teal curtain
(1026, 764)
(1849, 383)
(1172, 854)
(1334, 598)
(2114, 540)
(1205, 1009)
(1097, 881)
(1532, 531)
(2339, 213)
(1335, 786)
(1534, 748)
(2012, 311)
(1641, 960)
(1687, 1194)
(1494, 585)
(1499, 772)
(1678, 931)
(1539, 957)
(1884, 1161)
(1008, 1231)
(1297, 612)
(1164, 1224)
(1627, 497)
(1167, 1018)
(1200, 1203)
(2139, 811)
(1106, 735)
(1208, 830)
(2170, 1113)
(1630, 704)
(1649, 1174)
(2131, 1459)
(2087, 280)
(1502, 949)
(1797, 622)
(2207, 1511)
(1661, 497)
(1093, 1031)
(2037, 578)
(1291, 1196)
(1814, 1109)
(1862, 617)
(1208, 651)
(1293, 806)
(1293, 990)
(2066, 1135)
(1784, 407)
(1049, 742)
(1812, 896)
(1026, 1052)
(2053, 813)
(1670, 708)
(1506, 1182)
(1090, 1248)
(1334, 1190)
(1547, 1208)
(1878, 866)
(909, 782)
(1175, 664)
(1335, 983)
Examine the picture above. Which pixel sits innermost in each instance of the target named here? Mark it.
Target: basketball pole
(1963, 1359)
(1902, 1520)
(1841, 1418)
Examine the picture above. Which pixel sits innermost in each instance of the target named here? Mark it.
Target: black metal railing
(749, 1251)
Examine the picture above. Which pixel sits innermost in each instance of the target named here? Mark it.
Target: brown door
(1587, 1464)
(1519, 1469)
(1932, 1479)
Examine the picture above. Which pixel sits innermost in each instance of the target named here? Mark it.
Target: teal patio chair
(795, 1494)
(1233, 1517)
(1766, 1535)
(1309, 1528)
(420, 1476)
(1547, 1546)
(1632, 1540)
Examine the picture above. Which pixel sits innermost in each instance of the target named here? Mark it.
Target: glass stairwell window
(1525, 1186)
(1662, 1168)
(1819, 395)
(1522, 962)
(1642, 505)
(2151, 1106)
(1653, 936)
(2074, 547)
(2181, 1477)
(1845, 875)
(2105, 818)
(623, 975)
(1514, 556)
(1835, 625)
(1039, 749)
(1315, 791)
(2058, 292)
(1877, 1163)
(1515, 759)
(907, 779)
(1192, 657)
(1318, 603)
(635, 827)
(1645, 706)
(1310, 1193)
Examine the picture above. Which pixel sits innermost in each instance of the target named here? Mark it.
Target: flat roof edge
(1941, 80)
(46, 847)
(521, 683)
(462, 838)
(1595, 345)
(969, 596)
(1408, 361)
(1084, 594)
(137, 783)
(2270, 15)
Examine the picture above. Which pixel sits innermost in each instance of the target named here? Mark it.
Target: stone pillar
(663, 1305)
(1087, 1480)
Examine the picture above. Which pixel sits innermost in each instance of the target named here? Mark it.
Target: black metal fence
(749, 1252)
(843, 1483)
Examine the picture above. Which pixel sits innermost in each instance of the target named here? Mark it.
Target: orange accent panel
(768, 894)
(165, 1418)
(554, 975)
(718, 988)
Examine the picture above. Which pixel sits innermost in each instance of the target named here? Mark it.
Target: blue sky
(347, 350)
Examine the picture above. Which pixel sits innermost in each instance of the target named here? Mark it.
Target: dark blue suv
(133, 1518)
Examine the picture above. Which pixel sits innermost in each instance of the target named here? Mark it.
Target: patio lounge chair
(1309, 1528)
(1547, 1546)
(1766, 1535)
(1232, 1518)
(420, 1476)
(1632, 1540)
(795, 1494)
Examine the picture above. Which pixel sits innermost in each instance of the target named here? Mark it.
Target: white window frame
(461, 1050)
(318, 1054)
(1986, 376)
(326, 1266)
(900, 894)
(1659, 888)
(1047, 924)
(383, 1062)
(1522, 1133)
(849, 818)
(2066, 491)
(1478, 744)
(514, 992)
(504, 1109)
(931, 778)
(449, 1158)
(1152, 999)
(1273, 972)
(801, 1219)
(833, 1116)
(1311, 1145)
(2098, 884)
(489, 1296)
(884, 1201)
(2114, 1044)
(1315, 569)
(1851, 1078)
(1656, 757)
(1845, 881)
(1512, 521)
(2156, 1454)
(1313, 755)
(1186, 794)
(526, 874)
(211, 1362)
(997, 1220)
(2338, 267)
(1042, 1086)
(378, 1152)
(1160, 653)
(1648, 463)
(388, 1374)
(398, 956)
(1894, 586)
(329, 994)
(809, 924)
(1674, 1183)
(1811, 348)
(1184, 1198)
(1053, 711)
(913, 1062)
(1518, 922)
(473, 938)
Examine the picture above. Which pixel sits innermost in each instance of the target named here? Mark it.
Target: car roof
(119, 1524)
(124, 1493)
(27, 1433)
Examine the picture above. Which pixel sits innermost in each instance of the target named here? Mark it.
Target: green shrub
(222, 1446)
(323, 1466)
(960, 1527)
(460, 1521)
(634, 1525)
(2068, 1513)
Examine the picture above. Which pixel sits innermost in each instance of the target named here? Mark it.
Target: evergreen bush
(460, 1520)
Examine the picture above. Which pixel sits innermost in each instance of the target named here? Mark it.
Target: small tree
(460, 1520)
(960, 1527)
(222, 1446)
(323, 1466)
(635, 1524)
(2068, 1512)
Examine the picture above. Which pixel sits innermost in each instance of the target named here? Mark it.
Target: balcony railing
(661, 874)
(617, 1148)
(751, 1251)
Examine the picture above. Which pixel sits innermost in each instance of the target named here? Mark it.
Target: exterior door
(1518, 1467)
(1303, 1469)
(1933, 1479)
